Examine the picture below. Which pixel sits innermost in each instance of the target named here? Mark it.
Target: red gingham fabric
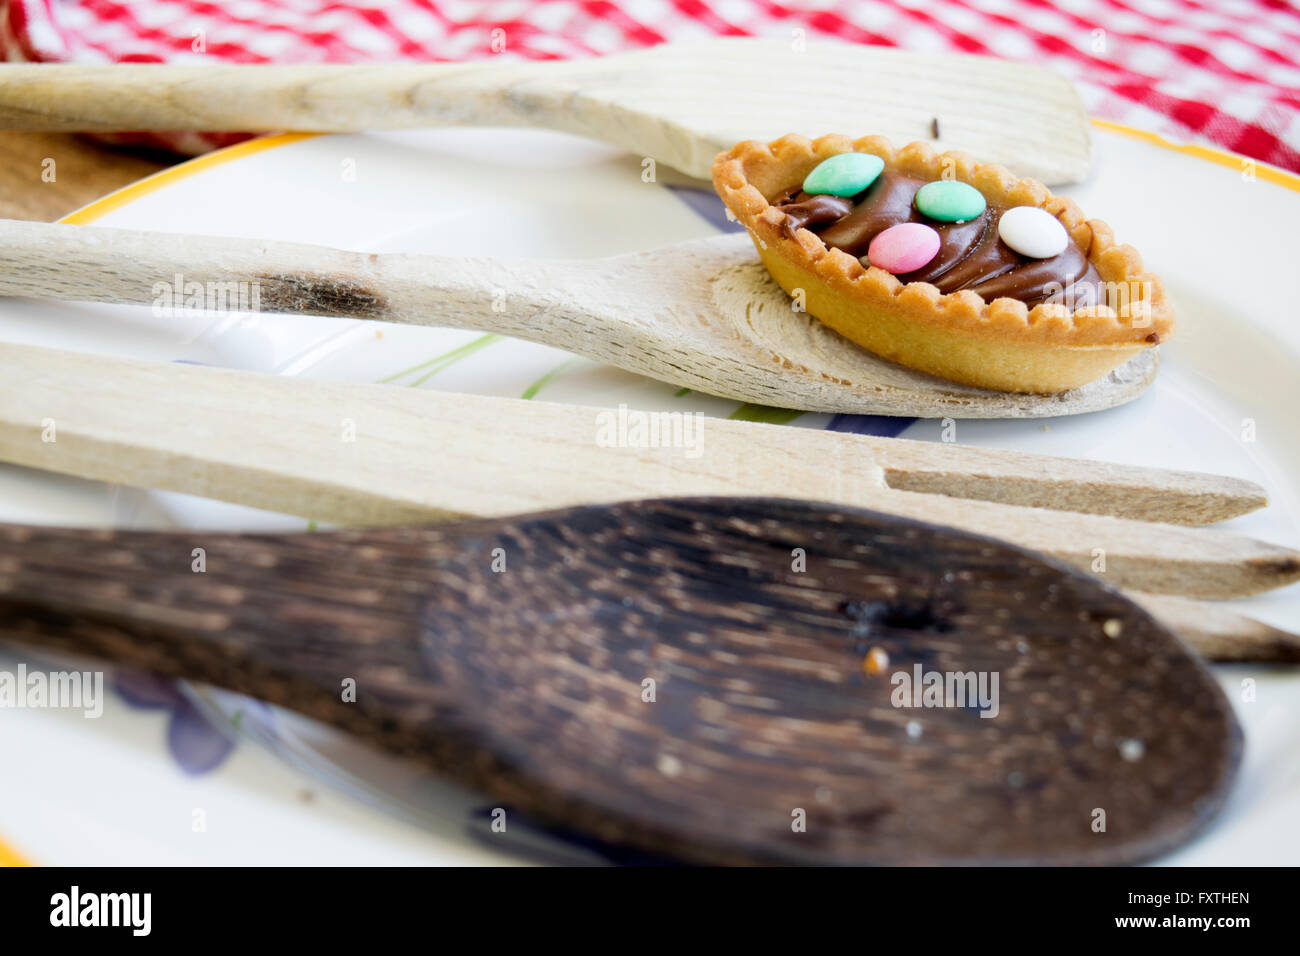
(1221, 71)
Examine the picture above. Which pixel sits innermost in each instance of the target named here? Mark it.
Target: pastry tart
(943, 264)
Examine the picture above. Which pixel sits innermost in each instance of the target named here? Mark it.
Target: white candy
(1033, 232)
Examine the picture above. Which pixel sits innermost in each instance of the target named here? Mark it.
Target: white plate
(1219, 236)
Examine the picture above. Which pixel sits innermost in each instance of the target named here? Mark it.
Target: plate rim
(160, 181)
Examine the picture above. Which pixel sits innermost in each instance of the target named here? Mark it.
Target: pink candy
(904, 247)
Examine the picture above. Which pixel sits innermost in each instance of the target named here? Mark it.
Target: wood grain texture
(1065, 484)
(679, 103)
(82, 172)
(528, 683)
(703, 315)
(1220, 633)
(380, 455)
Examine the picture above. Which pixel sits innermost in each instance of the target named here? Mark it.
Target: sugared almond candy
(950, 201)
(845, 174)
(904, 247)
(1033, 232)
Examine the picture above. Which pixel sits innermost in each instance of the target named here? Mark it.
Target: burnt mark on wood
(328, 295)
(898, 615)
(1282, 567)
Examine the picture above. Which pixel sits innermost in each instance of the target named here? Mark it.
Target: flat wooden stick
(681, 103)
(1220, 633)
(1065, 484)
(372, 455)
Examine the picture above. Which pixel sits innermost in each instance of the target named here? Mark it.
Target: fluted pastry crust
(1002, 344)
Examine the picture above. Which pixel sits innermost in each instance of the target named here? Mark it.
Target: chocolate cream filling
(971, 254)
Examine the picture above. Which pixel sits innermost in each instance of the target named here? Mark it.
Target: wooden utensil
(700, 314)
(658, 674)
(378, 454)
(679, 103)
(1219, 633)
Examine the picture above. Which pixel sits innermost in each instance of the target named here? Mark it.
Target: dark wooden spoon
(514, 655)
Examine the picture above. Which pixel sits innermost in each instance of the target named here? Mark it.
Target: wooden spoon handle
(317, 97)
(176, 272)
(371, 455)
(246, 612)
(601, 309)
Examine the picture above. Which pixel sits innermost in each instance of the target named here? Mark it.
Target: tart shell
(1003, 344)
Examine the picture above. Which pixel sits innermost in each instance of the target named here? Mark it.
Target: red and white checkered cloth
(1222, 71)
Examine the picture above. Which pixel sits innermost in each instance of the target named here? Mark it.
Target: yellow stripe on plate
(163, 178)
(11, 857)
(1211, 154)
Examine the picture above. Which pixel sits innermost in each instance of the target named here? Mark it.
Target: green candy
(950, 201)
(844, 175)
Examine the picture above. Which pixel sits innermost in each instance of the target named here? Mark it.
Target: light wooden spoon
(679, 103)
(700, 314)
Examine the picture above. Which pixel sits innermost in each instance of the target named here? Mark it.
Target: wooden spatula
(681, 104)
(700, 314)
(660, 674)
(378, 454)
